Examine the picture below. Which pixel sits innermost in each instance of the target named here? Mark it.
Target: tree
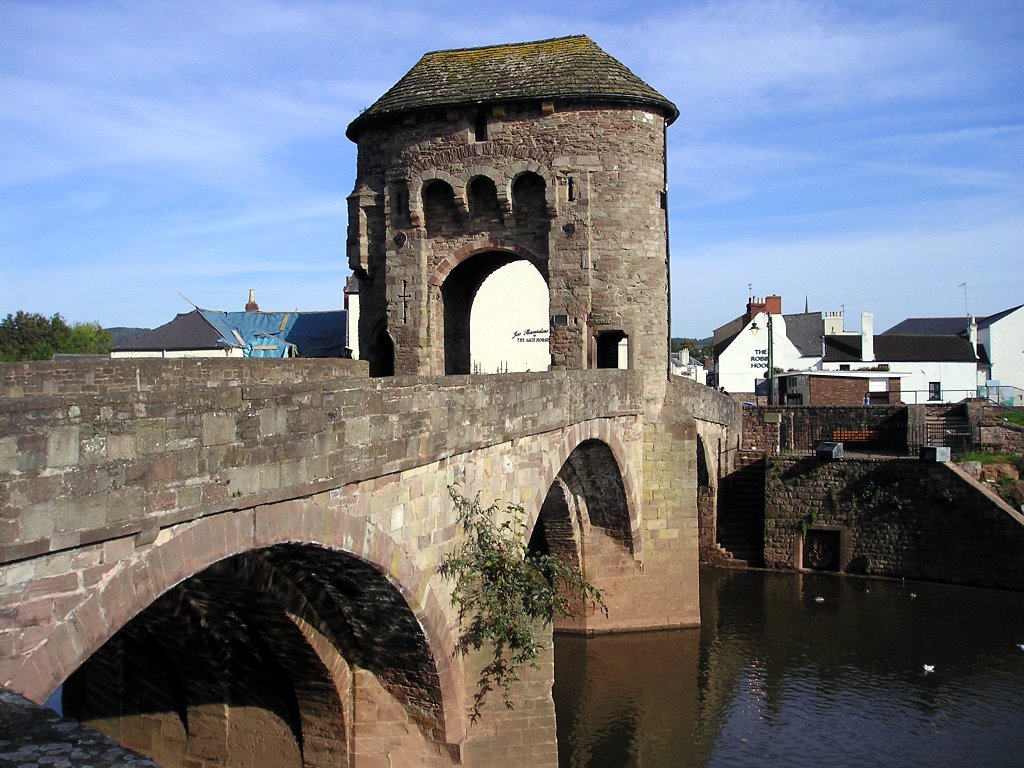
(31, 336)
(503, 591)
(88, 339)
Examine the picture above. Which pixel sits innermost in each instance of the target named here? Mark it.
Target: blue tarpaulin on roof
(282, 334)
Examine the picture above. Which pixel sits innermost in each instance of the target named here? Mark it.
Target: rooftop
(573, 68)
(901, 348)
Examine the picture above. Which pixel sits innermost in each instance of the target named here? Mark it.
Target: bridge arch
(590, 516)
(296, 531)
(588, 448)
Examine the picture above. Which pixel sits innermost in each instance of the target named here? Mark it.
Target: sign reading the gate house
(538, 335)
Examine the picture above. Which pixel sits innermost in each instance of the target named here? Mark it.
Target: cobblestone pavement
(34, 737)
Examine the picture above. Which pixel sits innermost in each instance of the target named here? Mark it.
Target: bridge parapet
(82, 468)
(110, 376)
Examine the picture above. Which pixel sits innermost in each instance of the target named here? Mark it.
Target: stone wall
(102, 377)
(578, 191)
(899, 518)
(81, 468)
(800, 428)
(1002, 438)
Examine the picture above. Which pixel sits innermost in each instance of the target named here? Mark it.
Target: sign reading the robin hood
(531, 335)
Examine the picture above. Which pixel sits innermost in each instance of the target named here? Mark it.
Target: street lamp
(770, 375)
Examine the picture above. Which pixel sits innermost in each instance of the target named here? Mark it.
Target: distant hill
(122, 335)
(700, 344)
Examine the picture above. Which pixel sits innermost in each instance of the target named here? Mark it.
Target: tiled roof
(186, 331)
(905, 348)
(805, 331)
(561, 68)
(930, 326)
(945, 326)
(985, 322)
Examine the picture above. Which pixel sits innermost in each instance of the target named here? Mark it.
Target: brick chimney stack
(251, 305)
(771, 305)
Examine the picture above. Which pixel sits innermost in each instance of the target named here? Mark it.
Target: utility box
(829, 451)
(938, 453)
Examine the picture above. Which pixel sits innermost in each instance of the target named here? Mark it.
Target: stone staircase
(948, 427)
(741, 511)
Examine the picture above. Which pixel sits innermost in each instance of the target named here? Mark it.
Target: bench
(855, 435)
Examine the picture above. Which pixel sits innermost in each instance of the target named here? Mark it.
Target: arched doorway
(508, 326)
(381, 352)
(459, 294)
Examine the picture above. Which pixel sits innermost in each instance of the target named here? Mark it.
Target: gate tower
(551, 152)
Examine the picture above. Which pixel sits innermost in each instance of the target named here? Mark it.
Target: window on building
(612, 349)
(480, 127)
(934, 390)
(844, 366)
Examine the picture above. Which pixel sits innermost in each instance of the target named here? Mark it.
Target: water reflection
(790, 669)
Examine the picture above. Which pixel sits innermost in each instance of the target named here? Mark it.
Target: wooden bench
(855, 435)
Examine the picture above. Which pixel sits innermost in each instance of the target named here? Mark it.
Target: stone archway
(586, 518)
(428, 733)
(267, 650)
(458, 291)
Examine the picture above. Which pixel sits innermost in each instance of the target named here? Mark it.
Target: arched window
(483, 202)
(439, 207)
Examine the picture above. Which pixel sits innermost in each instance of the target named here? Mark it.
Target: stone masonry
(114, 501)
(897, 517)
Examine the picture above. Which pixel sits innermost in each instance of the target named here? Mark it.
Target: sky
(857, 155)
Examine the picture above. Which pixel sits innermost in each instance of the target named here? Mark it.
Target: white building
(682, 364)
(998, 339)
(741, 346)
(932, 368)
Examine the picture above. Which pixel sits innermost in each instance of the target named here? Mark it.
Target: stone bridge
(229, 560)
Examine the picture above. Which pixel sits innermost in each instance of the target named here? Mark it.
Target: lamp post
(771, 364)
(770, 374)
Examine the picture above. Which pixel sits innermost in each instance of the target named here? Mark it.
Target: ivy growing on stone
(504, 592)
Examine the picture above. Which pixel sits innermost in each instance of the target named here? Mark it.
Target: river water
(803, 670)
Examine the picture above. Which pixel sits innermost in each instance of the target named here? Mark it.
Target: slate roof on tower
(572, 68)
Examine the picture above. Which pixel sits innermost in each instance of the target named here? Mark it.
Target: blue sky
(867, 155)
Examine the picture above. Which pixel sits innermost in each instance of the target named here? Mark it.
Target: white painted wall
(958, 380)
(230, 352)
(746, 359)
(1004, 340)
(508, 324)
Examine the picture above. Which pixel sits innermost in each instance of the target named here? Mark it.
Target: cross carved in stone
(405, 296)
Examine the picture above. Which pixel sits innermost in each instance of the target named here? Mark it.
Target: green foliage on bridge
(31, 336)
(504, 592)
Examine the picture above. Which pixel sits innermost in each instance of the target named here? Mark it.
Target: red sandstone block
(34, 613)
(52, 585)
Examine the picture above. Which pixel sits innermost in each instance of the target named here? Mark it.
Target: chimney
(972, 333)
(251, 305)
(867, 337)
(771, 305)
(833, 323)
